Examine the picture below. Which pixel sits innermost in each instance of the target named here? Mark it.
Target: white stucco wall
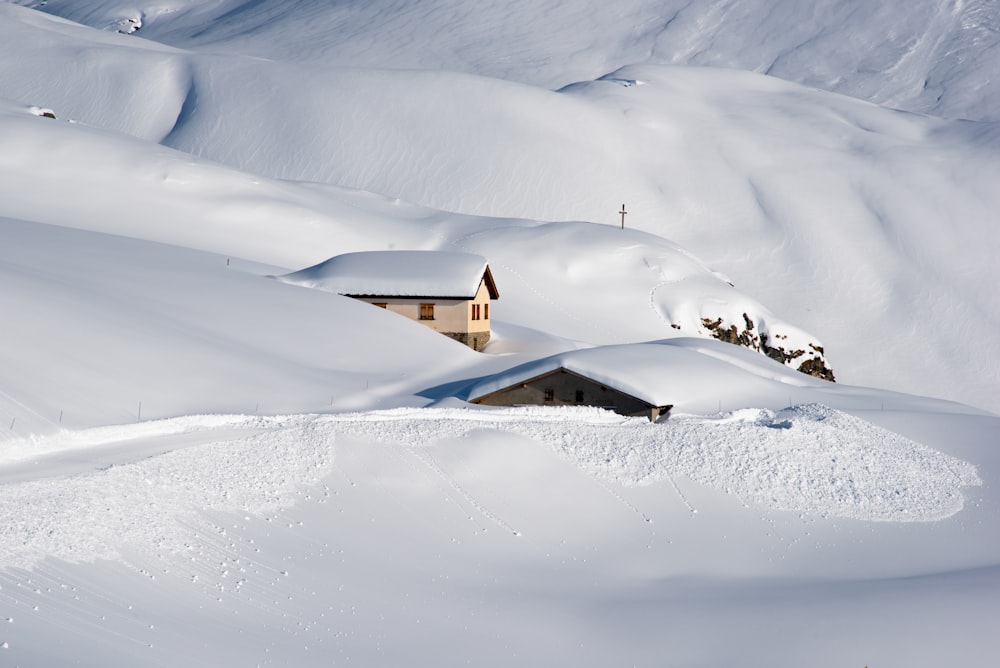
(450, 315)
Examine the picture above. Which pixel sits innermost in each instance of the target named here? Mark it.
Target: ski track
(807, 459)
(429, 462)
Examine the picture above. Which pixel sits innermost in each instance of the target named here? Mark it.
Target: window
(427, 311)
(486, 311)
(579, 396)
(475, 311)
(550, 394)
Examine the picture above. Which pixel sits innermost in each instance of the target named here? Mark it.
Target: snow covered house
(447, 291)
(619, 378)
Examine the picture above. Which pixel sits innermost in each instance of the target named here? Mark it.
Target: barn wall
(564, 387)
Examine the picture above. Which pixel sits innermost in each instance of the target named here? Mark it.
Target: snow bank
(44, 445)
(807, 459)
(158, 504)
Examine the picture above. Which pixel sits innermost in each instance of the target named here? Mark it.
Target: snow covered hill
(202, 465)
(827, 206)
(920, 55)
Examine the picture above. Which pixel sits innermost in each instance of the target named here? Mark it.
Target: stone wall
(475, 340)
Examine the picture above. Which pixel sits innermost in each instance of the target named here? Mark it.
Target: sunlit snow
(202, 465)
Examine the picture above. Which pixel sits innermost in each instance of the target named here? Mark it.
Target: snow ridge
(808, 459)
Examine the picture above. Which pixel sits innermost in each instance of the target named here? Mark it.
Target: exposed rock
(42, 111)
(816, 367)
(813, 365)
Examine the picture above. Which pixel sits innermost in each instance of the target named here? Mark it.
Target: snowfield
(219, 540)
(806, 459)
(921, 55)
(819, 203)
(151, 485)
(209, 458)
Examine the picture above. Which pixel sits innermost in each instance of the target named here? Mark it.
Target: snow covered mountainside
(928, 56)
(870, 228)
(203, 465)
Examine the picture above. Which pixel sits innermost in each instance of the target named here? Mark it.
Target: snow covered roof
(639, 370)
(399, 274)
(686, 372)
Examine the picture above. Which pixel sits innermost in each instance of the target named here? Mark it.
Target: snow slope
(443, 532)
(126, 330)
(925, 56)
(863, 472)
(134, 87)
(828, 206)
(647, 284)
(201, 465)
(491, 536)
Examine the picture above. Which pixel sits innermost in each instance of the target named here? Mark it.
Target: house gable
(491, 286)
(446, 291)
(563, 387)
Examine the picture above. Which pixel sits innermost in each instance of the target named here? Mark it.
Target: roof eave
(490, 284)
(390, 296)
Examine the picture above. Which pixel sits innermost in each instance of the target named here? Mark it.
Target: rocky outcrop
(809, 360)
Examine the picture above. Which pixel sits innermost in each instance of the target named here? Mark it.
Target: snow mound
(159, 503)
(43, 445)
(553, 274)
(671, 372)
(807, 459)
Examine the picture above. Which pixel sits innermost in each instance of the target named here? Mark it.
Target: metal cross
(623, 212)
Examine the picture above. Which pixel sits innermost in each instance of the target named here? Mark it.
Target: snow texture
(805, 459)
(200, 465)
(814, 204)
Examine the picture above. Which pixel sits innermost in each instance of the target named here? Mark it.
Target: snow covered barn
(449, 292)
(618, 378)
